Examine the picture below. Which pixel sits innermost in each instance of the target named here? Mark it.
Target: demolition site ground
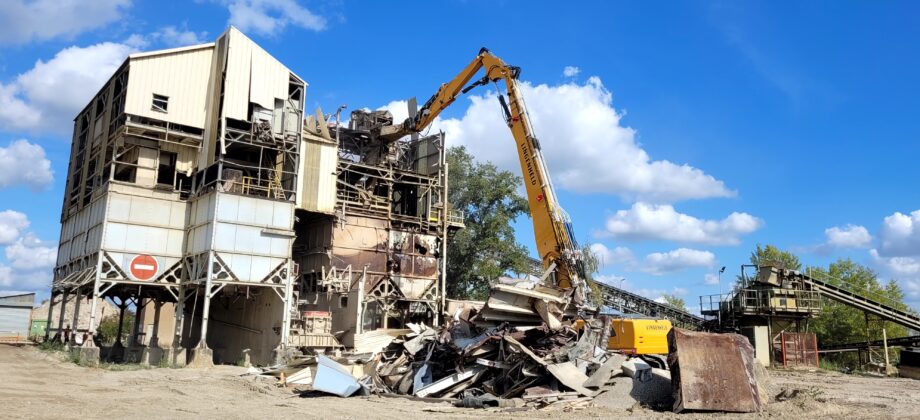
(42, 384)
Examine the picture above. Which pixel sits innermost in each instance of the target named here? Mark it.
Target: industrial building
(201, 195)
(16, 316)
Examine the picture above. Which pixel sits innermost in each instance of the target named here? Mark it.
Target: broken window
(126, 165)
(166, 170)
(160, 103)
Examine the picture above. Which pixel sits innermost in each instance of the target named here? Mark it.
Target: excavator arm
(556, 244)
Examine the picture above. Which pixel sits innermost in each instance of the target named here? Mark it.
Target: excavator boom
(556, 245)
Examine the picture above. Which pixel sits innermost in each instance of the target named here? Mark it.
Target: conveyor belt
(631, 302)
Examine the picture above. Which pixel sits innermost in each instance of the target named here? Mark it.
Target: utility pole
(721, 270)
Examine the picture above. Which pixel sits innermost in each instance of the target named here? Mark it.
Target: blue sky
(679, 134)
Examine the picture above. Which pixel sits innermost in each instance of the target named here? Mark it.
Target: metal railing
(761, 301)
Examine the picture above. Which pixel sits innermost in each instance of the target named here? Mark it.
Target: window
(160, 103)
(166, 170)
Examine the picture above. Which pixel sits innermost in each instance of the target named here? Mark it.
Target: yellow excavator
(556, 243)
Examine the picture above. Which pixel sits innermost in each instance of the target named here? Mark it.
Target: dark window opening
(160, 103)
(166, 170)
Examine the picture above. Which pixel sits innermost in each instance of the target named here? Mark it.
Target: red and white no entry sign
(144, 267)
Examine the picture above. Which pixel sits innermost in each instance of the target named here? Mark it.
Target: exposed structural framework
(201, 196)
(372, 255)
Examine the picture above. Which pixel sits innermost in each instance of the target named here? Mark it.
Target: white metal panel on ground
(236, 84)
(181, 76)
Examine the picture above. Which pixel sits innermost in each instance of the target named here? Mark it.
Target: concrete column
(92, 316)
(139, 305)
(154, 338)
(76, 317)
(180, 318)
(121, 320)
(205, 311)
(286, 304)
(50, 315)
(60, 327)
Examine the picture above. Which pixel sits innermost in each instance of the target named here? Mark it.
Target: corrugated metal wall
(252, 75)
(81, 234)
(182, 76)
(318, 158)
(152, 225)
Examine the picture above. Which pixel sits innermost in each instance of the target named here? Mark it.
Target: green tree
(108, 328)
(675, 301)
(839, 323)
(592, 263)
(487, 247)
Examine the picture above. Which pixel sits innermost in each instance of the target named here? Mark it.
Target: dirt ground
(38, 384)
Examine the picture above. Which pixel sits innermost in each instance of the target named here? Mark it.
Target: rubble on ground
(521, 350)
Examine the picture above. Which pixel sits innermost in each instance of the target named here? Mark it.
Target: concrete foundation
(176, 357)
(151, 356)
(200, 357)
(88, 355)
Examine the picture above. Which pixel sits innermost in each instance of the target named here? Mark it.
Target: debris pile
(503, 366)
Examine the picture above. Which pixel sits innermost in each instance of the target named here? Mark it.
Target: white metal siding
(317, 177)
(253, 75)
(182, 76)
(236, 85)
(14, 322)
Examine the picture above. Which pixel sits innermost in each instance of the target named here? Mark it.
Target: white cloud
(168, 36)
(849, 236)
(711, 279)
(29, 280)
(23, 21)
(571, 71)
(12, 223)
(660, 263)
(611, 279)
(24, 163)
(47, 97)
(271, 17)
(29, 253)
(900, 235)
(614, 256)
(586, 147)
(908, 266)
(661, 222)
(6, 276)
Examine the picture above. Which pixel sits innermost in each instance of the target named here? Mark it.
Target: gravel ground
(37, 384)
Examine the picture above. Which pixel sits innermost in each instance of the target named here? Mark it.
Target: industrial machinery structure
(772, 308)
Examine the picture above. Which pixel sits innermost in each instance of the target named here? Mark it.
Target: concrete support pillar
(76, 317)
(121, 321)
(180, 318)
(92, 316)
(201, 355)
(177, 353)
(154, 337)
(60, 327)
(138, 306)
(50, 316)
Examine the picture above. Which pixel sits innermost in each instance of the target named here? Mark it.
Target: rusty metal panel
(425, 267)
(713, 372)
(799, 349)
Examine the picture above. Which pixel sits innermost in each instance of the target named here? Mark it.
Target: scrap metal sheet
(713, 372)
